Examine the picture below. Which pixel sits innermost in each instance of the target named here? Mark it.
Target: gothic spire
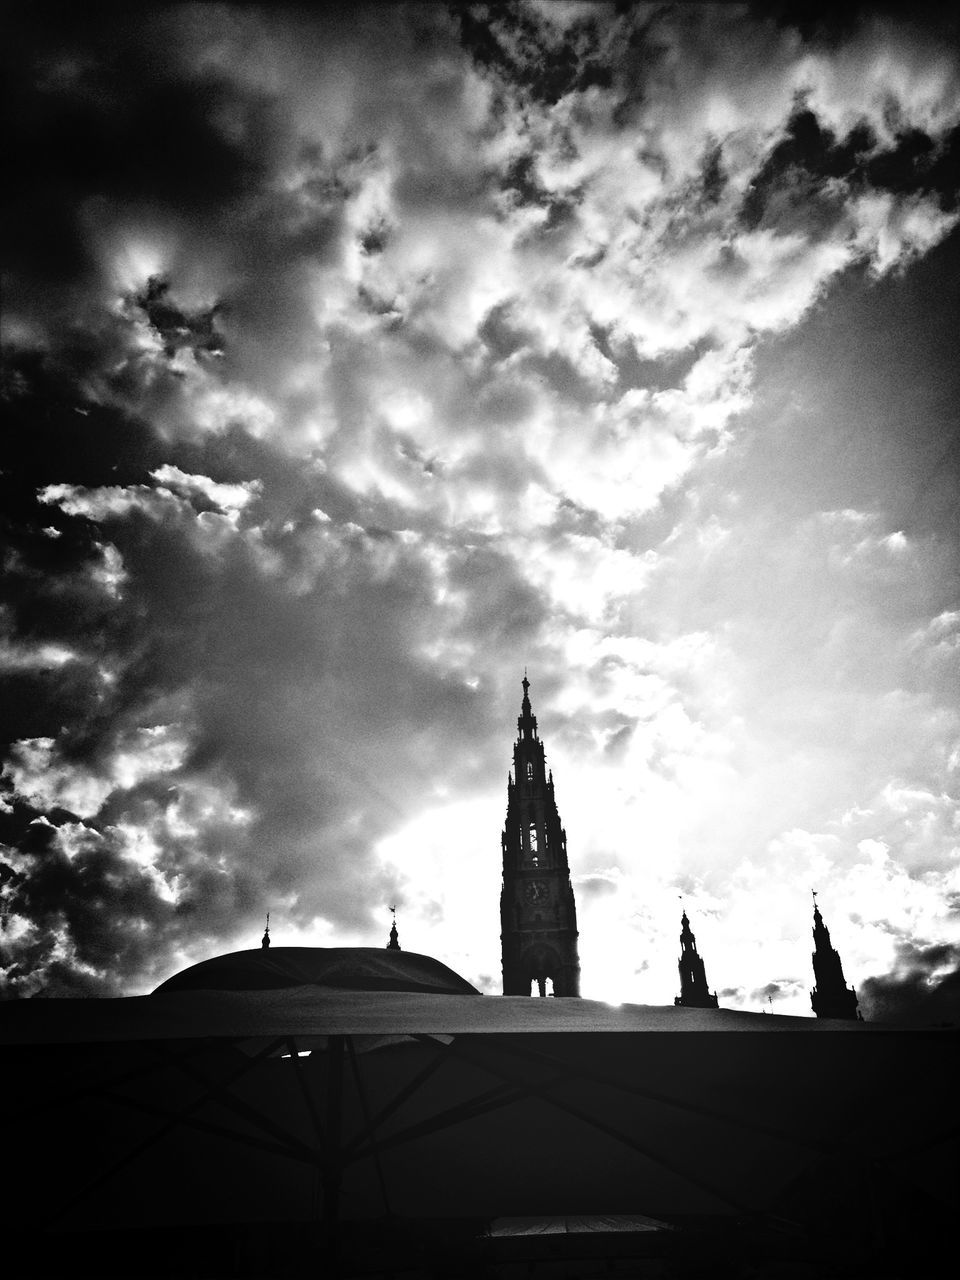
(538, 915)
(265, 940)
(694, 992)
(830, 997)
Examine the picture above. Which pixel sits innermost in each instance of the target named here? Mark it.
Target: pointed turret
(538, 915)
(394, 943)
(265, 940)
(830, 997)
(694, 993)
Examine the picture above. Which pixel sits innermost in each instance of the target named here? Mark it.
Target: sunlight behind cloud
(422, 346)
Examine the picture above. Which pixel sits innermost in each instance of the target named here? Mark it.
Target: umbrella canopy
(330, 1099)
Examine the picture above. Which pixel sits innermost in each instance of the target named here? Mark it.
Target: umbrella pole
(369, 1126)
(333, 1169)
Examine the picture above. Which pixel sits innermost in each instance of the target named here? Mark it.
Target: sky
(357, 361)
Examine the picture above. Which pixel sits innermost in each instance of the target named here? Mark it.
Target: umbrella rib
(295, 1152)
(172, 1122)
(366, 1117)
(305, 1093)
(696, 1181)
(501, 1095)
(221, 1094)
(104, 1086)
(333, 1163)
(397, 1101)
(489, 1101)
(493, 1099)
(914, 1148)
(862, 1134)
(541, 1091)
(695, 1108)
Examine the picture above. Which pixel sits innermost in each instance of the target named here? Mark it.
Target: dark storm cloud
(824, 24)
(801, 168)
(923, 989)
(176, 327)
(100, 112)
(127, 132)
(276, 706)
(69, 880)
(506, 40)
(49, 585)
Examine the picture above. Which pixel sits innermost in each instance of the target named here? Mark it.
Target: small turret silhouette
(265, 940)
(394, 943)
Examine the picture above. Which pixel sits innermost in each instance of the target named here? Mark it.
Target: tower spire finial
(265, 940)
(527, 723)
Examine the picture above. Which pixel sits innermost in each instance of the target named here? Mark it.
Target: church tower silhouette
(538, 915)
(830, 997)
(694, 993)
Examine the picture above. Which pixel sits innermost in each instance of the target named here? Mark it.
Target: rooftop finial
(265, 941)
(527, 723)
(394, 943)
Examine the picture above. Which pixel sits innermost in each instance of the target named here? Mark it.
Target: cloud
(781, 989)
(923, 987)
(277, 667)
(354, 364)
(229, 498)
(595, 886)
(20, 657)
(43, 777)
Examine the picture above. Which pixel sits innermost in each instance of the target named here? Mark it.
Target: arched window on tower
(529, 770)
(534, 851)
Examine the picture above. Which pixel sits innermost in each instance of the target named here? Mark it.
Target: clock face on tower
(536, 891)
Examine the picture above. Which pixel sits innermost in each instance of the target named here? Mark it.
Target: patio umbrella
(354, 1085)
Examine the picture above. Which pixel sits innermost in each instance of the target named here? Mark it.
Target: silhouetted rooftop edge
(343, 968)
(310, 1010)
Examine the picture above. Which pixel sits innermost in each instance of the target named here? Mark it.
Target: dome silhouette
(340, 968)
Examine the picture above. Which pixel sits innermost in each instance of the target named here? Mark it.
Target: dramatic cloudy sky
(355, 363)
